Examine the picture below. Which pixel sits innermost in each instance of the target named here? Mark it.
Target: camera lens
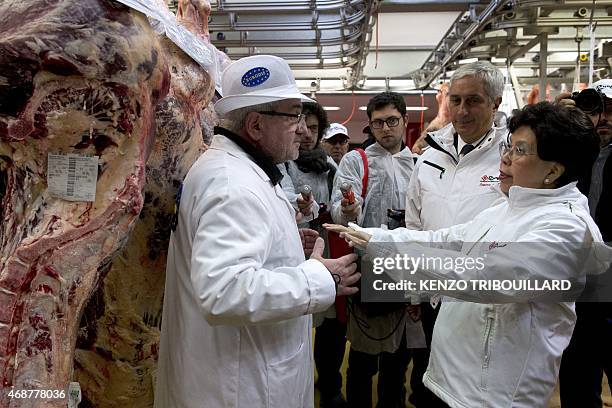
(589, 101)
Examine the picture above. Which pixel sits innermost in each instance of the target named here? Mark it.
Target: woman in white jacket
(501, 347)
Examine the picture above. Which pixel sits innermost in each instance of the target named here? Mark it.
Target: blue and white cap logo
(604, 86)
(255, 77)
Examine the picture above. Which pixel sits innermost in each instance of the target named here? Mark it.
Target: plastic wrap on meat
(116, 353)
(76, 77)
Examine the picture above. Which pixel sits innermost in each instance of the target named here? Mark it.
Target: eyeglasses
(299, 117)
(516, 151)
(379, 123)
(336, 141)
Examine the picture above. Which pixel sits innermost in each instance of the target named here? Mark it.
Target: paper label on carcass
(72, 177)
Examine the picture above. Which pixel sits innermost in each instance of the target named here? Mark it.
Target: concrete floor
(554, 401)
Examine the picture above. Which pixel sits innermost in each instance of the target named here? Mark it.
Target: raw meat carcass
(208, 120)
(116, 354)
(76, 77)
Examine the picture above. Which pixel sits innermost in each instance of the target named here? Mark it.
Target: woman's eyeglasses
(513, 152)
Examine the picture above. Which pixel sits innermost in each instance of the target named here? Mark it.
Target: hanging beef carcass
(76, 77)
(208, 120)
(116, 354)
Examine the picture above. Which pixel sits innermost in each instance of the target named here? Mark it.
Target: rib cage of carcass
(119, 335)
(76, 77)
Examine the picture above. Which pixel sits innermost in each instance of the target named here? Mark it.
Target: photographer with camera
(588, 354)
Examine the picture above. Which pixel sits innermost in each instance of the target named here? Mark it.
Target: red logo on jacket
(488, 180)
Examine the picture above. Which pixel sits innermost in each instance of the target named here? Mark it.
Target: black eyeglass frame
(298, 116)
(382, 122)
(342, 141)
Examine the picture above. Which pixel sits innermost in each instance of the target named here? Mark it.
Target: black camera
(396, 218)
(589, 100)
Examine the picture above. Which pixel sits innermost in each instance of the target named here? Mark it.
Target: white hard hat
(255, 80)
(604, 86)
(335, 129)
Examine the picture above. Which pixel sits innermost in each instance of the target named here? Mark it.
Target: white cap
(604, 86)
(335, 129)
(255, 80)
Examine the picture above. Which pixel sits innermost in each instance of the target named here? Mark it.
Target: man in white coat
(377, 333)
(236, 325)
(452, 179)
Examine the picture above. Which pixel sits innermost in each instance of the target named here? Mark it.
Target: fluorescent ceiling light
(331, 108)
(408, 108)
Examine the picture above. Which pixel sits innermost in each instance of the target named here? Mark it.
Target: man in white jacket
(452, 179)
(378, 342)
(236, 325)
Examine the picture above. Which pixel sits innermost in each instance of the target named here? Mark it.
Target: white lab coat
(505, 355)
(236, 328)
(388, 178)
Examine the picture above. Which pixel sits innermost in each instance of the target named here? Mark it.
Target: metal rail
(269, 7)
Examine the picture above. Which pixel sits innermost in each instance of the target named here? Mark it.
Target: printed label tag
(72, 177)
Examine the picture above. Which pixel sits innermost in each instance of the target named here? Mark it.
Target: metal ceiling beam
(250, 40)
(534, 16)
(222, 6)
(523, 50)
(560, 4)
(549, 22)
(356, 75)
(307, 55)
(543, 60)
(443, 55)
(288, 25)
(327, 65)
(301, 18)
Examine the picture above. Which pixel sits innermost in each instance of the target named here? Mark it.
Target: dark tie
(466, 149)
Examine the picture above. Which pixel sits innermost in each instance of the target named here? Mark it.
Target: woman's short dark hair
(564, 134)
(386, 98)
(314, 108)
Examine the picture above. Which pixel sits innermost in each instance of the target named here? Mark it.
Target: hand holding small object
(349, 205)
(353, 234)
(304, 201)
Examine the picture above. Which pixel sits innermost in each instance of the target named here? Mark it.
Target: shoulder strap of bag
(364, 181)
